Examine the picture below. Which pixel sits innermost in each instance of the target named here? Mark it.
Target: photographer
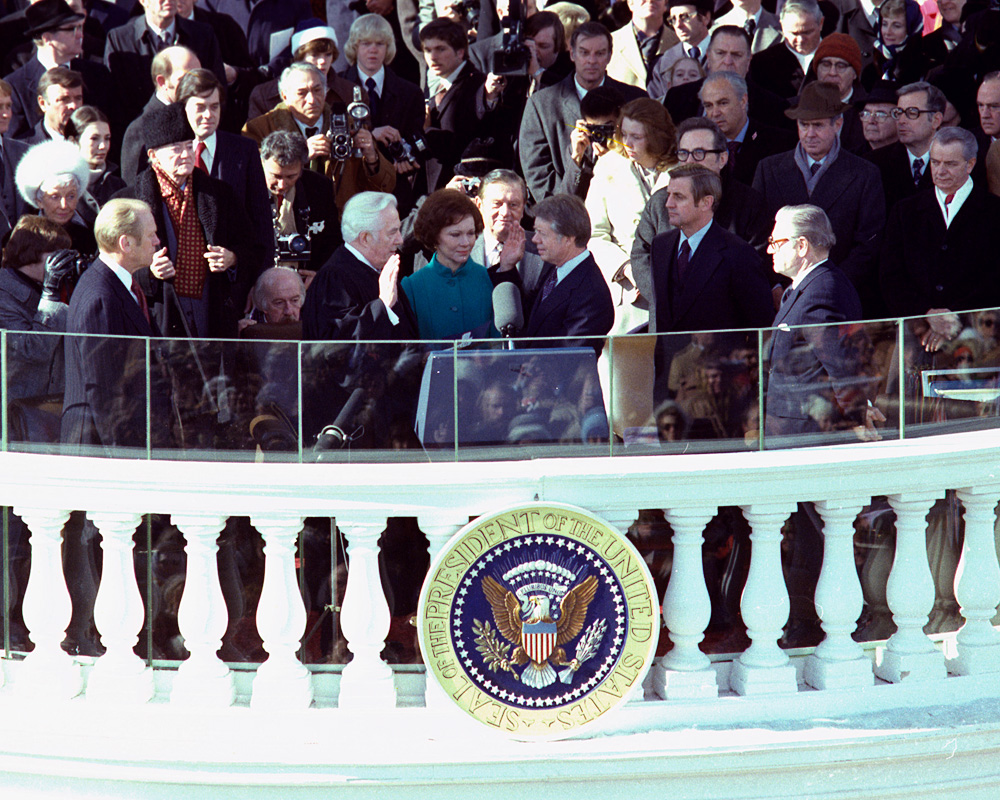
(397, 106)
(593, 135)
(36, 263)
(303, 110)
(301, 205)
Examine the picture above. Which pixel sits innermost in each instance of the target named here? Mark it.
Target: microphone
(334, 436)
(507, 313)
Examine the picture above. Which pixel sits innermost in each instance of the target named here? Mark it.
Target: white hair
(292, 69)
(265, 284)
(51, 163)
(362, 212)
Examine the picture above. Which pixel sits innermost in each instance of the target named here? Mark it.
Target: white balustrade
(366, 682)
(438, 532)
(977, 585)
(764, 667)
(685, 671)
(48, 671)
(203, 679)
(838, 662)
(282, 682)
(909, 654)
(119, 675)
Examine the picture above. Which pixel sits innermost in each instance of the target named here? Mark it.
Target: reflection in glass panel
(35, 374)
(544, 398)
(952, 383)
(360, 400)
(823, 381)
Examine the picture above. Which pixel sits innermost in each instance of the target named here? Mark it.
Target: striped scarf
(192, 269)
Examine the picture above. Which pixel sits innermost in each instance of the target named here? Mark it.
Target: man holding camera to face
(339, 145)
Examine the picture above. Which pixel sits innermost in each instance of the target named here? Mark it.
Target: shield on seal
(538, 639)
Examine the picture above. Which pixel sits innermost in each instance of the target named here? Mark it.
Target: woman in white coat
(624, 178)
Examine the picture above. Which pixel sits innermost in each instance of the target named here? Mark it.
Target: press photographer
(592, 136)
(303, 110)
(306, 223)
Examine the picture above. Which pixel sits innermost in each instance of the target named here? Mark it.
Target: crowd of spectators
(525, 143)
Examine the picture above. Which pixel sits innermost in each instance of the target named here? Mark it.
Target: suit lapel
(702, 267)
(832, 184)
(785, 311)
(130, 308)
(631, 54)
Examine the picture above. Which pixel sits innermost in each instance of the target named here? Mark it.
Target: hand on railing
(944, 326)
(867, 431)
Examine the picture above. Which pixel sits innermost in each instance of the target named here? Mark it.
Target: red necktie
(947, 200)
(140, 298)
(199, 162)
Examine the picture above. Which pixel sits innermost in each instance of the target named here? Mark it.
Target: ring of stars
(472, 661)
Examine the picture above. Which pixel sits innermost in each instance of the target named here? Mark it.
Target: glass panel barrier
(235, 400)
(830, 384)
(951, 369)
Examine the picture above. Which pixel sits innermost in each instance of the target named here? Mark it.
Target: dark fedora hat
(882, 92)
(818, 101)
(48, 15)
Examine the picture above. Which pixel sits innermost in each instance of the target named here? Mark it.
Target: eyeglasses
(71, 28)
(680, 19)
(911, 112)
(773, 245)
(833, 66)
(880, 116)
(698, 154)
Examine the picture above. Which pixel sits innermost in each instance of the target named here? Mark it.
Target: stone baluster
(438, 533)
(685, 672)
(119, 675)
(838, 662)
(366, 683)
(282, 682)
(764, 668)
(47, 671)
(977, 585)
(910, 654)
(203, 679)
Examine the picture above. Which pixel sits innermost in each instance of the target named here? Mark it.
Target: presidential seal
(539, 621)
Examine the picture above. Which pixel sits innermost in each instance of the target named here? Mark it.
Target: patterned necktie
(373, 98)
(140, 298)
(918, 170)
(550, 284)
(750, 26)
(733, 148)
(815, 167)
(199, 161)
(683, 260)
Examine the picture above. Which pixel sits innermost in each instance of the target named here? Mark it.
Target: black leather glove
(58, 267)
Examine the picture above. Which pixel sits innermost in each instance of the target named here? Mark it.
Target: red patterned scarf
(190, 263)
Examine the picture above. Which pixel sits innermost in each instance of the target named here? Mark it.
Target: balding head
(169, 66)
(278, 295)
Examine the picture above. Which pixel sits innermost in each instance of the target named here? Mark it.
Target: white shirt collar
(565, 269)
(357, 254)
(580, 91)
(318, 124)
(122, 274)
(170, 29)
(447, 81)
(54, 135)
(868, 7)
(46, 61)
(956, 202)
(378, 77)
(925, 157)
(804, 61)
(797, 280)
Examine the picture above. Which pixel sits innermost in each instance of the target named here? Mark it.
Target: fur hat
(168, 125)
(50, 163)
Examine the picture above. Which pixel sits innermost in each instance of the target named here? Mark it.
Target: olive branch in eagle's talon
(494, 652)
(585, 649)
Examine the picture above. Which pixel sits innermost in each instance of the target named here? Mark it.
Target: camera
(411, 149)
(600, 133)
(513, 57)
(469, 11)
(341, 145)
(359, 115)
(471, 186)
(293, 248)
